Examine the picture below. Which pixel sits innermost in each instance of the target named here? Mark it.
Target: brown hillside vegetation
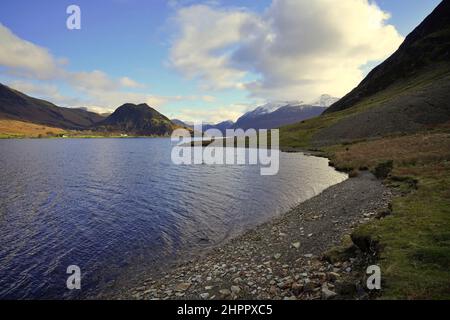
(13, 128)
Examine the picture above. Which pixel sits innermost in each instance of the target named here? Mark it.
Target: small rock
(277, 256)
(297, 288)
(183, 286)
(328, 294)
(225, 292)
(308, 285)
(333, 276)
(235, 289)
(296, 245)
(237, 280)
(204, 296)
(273, 290)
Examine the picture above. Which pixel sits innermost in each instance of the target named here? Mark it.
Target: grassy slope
(20, 129)
(414, 241)
(10, 129)
(300, 135)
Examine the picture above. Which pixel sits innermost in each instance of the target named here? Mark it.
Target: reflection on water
(115, 205)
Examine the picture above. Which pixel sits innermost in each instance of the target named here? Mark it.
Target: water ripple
(118, 208)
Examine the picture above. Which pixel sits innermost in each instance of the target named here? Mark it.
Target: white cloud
(29, 62)
(130, 83)
(21, 57)
(46, 91)
(209, 98)
(215, 115)
(297, 49)
(92, 80)
(203, 45)
(110, 100)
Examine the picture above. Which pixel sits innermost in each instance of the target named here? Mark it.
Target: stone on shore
(327, 294)
(182, 286)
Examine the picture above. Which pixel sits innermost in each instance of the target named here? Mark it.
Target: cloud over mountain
(34, 70)
(295, 49)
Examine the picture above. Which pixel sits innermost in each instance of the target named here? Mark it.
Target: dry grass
(13, 128)
(404, 151)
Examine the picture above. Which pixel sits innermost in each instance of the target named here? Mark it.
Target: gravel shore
(282, 259)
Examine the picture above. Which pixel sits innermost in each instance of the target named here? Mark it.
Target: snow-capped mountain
(271, 107)
(274, 116)
(325, 100)
(222, 126)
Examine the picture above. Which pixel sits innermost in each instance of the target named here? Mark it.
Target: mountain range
(272, 115)
(15, 105)
(22, 111)
(408, 92)
(141, 119)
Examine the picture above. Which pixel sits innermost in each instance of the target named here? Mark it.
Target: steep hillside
(15, 105)
(137, 120)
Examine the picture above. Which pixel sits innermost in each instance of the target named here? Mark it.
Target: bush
(383, 169)
(353, 174)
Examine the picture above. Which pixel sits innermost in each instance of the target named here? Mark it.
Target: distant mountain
(275, 115)
(408, 92)
(137, 120)
(15, 105)
(325, 100)
(181, 123)
(222, 126)
(269, 108)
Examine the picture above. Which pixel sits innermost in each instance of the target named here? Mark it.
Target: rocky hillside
(17, 106)
(140, 120)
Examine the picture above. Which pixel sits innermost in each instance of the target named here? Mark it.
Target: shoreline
(282, 258)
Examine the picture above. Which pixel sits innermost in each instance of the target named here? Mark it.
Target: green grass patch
(413, 243)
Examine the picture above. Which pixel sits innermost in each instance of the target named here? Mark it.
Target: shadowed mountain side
(140, 120)
(408, 92)
(415, 109)
(15, 105)
(428, 44)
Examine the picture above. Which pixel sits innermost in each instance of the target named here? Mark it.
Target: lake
(119, 209)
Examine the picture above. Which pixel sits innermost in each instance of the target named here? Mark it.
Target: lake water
(119, 209)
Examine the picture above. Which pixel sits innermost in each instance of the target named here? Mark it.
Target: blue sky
(179, 60)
